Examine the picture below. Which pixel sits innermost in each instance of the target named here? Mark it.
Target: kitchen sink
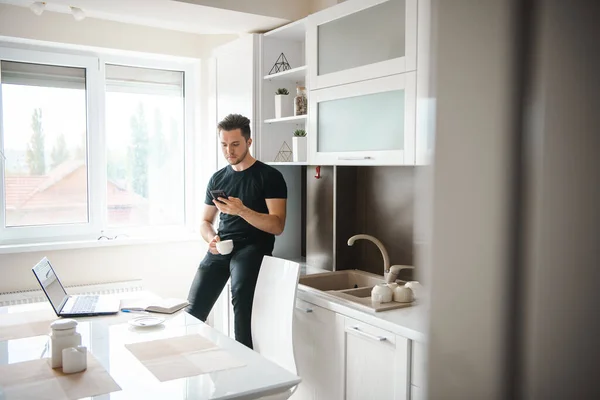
(341, 280)
(352, 286)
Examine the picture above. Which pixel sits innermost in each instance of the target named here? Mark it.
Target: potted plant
(299, 145)
(283, 105)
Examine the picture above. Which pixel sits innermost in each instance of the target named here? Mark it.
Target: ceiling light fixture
(78, 13)
(37, 7)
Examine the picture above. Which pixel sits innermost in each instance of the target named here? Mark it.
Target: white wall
(167, 268)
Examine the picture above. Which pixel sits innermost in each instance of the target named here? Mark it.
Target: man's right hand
(212, 246)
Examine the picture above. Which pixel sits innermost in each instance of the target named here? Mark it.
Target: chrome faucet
(386, 258)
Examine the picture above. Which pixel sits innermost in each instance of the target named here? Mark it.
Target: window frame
(97, 225)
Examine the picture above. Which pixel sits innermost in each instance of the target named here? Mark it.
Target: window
(44, 110)
(144, 144)
(91, 144)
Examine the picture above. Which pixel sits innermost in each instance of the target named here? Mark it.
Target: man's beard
(238, 159)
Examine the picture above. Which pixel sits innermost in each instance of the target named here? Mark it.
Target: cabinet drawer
(304, 306)
(418, 364)
(318, 353)
(355, 327)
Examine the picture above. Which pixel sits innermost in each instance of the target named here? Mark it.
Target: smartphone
(218, 193)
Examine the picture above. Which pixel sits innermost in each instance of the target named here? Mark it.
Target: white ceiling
(166, 14)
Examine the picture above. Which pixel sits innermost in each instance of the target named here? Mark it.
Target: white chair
(273, 314)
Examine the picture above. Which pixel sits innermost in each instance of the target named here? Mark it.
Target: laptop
(71, 306)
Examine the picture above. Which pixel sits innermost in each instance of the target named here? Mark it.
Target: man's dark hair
(233, 122)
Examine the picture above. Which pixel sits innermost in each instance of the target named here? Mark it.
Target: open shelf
(298, 119)
(294, 74)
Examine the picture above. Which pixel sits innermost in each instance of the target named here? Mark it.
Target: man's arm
(273, 222)
(206, 227)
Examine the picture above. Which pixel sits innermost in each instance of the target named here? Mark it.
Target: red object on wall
(318, 175)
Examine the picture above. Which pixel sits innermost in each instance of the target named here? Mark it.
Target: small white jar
(384, 291)
(62, 337)
(74, 359)
(402, 294)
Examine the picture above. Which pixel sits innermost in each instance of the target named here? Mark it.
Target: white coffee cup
(225, 246)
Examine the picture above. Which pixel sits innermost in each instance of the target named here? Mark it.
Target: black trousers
(242, 265)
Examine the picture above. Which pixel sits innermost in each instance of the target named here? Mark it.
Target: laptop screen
(50, 283)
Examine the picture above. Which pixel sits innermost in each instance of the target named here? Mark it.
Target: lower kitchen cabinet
(317, 353)
(419, 366)
(376, 363)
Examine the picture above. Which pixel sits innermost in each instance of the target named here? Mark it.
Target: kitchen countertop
(409, 322)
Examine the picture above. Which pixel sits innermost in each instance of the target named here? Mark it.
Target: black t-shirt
(252, 186)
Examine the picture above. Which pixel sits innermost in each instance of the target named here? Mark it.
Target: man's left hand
(230, 205)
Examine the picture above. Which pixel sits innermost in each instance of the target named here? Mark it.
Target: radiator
(36, 296)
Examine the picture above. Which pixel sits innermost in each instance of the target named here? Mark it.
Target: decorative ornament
(284, 154)
(281, 65)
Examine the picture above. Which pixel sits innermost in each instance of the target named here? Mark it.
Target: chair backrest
(273, 311)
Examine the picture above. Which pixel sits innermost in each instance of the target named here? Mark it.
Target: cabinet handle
(355, 158)
(306, 310)
(365, 334)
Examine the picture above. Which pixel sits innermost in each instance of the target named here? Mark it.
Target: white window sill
(83, 244)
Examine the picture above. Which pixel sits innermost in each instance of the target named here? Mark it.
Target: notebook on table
(163, 306)
(71, 306)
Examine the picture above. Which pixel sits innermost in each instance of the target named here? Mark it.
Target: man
(252, 214)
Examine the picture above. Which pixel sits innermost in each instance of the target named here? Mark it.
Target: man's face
(234, 146)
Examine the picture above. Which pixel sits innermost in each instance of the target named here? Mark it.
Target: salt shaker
(74, 359)
(62, 337)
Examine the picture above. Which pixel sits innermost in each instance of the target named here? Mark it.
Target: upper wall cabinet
(364, 123)
(361, 39)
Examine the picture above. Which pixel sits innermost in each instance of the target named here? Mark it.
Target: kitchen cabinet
(425, 123)
(317, 353)
(361, 39)
(419, 365)
(364, 123)
(376, 363)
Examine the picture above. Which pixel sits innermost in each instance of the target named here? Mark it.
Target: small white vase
(284, 106)
(299, 148)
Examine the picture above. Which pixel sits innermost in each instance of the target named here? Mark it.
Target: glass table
(106, 337)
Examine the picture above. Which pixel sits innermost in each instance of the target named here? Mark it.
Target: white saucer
(146, 321)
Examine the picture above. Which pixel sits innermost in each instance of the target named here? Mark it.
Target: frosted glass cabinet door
(361, 39)
(364, 123)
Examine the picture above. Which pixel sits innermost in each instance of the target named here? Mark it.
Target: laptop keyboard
(84, 304)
